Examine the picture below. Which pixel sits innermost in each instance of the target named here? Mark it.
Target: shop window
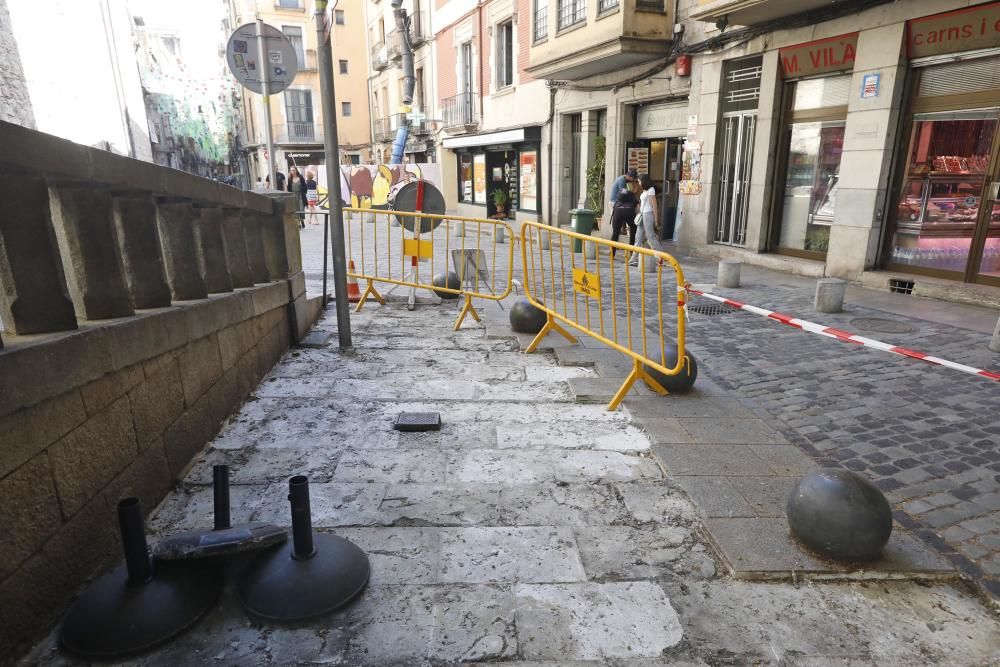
(946, 167)
(814, 136)
(479, 178)
(505, 54)
(528, 180)
(465, 177)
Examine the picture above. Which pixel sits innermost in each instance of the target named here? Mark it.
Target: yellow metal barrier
(408, 249)
(603, 297)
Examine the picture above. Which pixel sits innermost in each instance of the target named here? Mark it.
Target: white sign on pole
(241, 55)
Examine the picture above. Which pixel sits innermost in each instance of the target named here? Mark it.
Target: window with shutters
(294, 35)
(505, 54)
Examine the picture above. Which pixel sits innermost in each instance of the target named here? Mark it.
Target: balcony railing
(380, 56)
(460, 110)
(416, 127)
(572, 12)
(394, 44)
(381, 130)
(541, 30)
(298, 133)
(420, 31)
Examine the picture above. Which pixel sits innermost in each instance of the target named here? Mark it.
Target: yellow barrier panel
(386, 251)
(602, 296)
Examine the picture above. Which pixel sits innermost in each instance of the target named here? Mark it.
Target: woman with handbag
(648, 212)
(623, 213)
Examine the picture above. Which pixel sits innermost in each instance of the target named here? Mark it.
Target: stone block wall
(141, 306)
(15, 103)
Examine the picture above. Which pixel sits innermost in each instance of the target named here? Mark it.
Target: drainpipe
(551, 125)
(409, 81)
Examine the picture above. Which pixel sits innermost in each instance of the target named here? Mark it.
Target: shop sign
(961, 30)
(832, 54)
(587, 283)
(657, 121)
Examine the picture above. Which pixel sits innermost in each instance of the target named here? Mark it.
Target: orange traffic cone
(353, 293)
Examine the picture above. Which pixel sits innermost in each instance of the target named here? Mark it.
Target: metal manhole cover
(711, 309)
(417, 421)
(883, 325)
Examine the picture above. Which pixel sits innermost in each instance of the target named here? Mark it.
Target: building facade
(385, 84)
(296, 113)
(850, 143)
(15, 106)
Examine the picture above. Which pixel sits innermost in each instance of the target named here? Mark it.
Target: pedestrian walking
(619, 184)
(312, 196)
(623, 214)
(279, 180)
(297, 186)
(648, 215)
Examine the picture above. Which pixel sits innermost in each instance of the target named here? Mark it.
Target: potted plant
(499, 197)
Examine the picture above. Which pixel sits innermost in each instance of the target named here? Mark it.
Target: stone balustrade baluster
(273, 235)
(84, 227)
(212, 250)
(139, 244)
(175, 222)
(33, 293)
(236, 247)
(252, 228)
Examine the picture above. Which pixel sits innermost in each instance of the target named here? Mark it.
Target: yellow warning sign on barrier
(415, 248)
(586, 283)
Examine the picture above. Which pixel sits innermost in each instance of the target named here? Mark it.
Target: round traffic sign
(242, 55)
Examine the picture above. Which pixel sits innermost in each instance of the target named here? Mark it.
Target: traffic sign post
(264, 61)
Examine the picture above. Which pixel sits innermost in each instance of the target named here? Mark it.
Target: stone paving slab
(379, 390)
(689, 406)
(762, 548)
(602, 390)
(635, 619)
(615, 437)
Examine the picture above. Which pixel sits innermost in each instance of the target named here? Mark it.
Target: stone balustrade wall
(141, 305)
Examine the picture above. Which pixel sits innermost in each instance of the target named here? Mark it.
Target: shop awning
(518, 135)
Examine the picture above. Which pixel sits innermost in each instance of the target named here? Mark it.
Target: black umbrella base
(113, 618)
(221, 542)
(279, 587)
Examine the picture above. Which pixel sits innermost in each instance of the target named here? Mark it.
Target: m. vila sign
(833, 54)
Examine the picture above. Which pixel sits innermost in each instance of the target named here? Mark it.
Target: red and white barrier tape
(847, 336)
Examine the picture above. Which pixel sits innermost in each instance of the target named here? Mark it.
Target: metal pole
(134, 542)
(220, 492)
(326, 254)
(302, 537)
(328, 97)
(265, 71)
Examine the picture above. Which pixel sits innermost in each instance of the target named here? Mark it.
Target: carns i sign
(832, 54)
(962, 30)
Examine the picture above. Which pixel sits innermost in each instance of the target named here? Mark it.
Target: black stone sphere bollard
(840, 515)
(449, 280)
(526, 318)
(684, 380)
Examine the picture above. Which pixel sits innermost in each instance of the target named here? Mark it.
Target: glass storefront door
(947, 217)
(815, 118)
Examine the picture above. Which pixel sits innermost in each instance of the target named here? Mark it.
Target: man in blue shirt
(620, 182)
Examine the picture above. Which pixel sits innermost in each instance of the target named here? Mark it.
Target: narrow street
(529, 530)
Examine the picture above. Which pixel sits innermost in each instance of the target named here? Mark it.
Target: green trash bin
(581, 222)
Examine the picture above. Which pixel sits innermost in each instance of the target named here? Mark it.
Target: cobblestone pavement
(529, 531)
(926, 435)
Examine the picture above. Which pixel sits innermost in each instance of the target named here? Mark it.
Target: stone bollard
(995, 341)
(139, 244)
(830, 295)
(175, 222)
(459, 229)
(591, 251)
(498, 234)
(84, 226)
(649, 264)
(34, 295)
(729, 273)
(543, 241)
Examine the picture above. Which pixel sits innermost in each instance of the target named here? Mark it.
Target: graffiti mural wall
(372, 185)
